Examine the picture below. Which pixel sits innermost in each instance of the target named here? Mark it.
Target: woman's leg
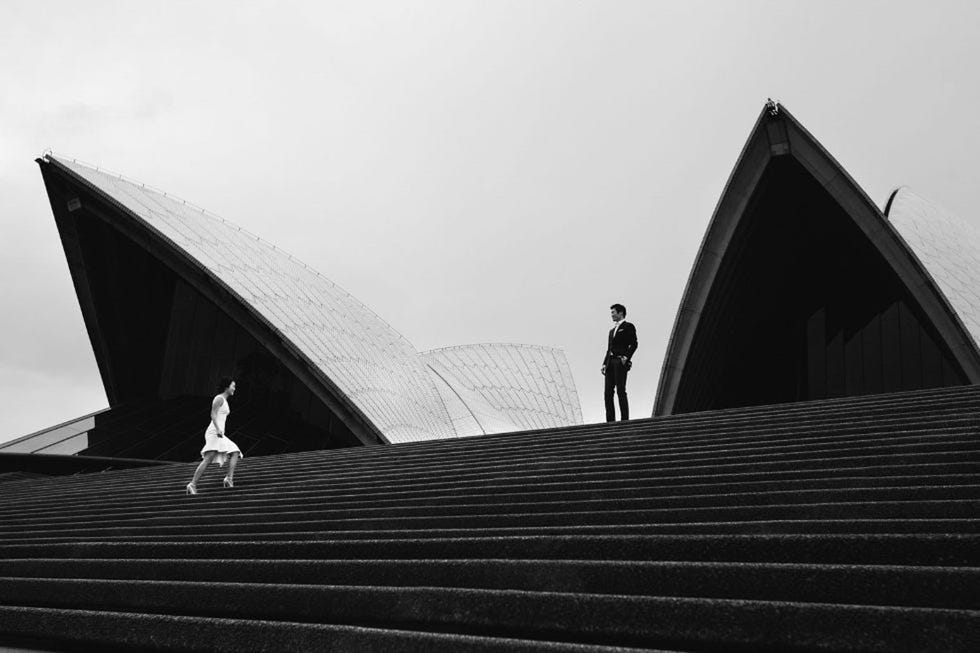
(231, 466)
(208, 457)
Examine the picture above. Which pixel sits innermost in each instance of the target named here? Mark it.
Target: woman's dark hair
(224, 383)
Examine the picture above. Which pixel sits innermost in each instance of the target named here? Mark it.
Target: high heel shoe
(227, 482)
(191, 488)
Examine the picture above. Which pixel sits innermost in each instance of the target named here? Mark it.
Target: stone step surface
(946, 587)
(849, 525)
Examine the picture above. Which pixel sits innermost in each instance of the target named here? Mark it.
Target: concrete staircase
(836, 525)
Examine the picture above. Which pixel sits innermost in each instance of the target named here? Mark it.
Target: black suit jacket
(624, 344)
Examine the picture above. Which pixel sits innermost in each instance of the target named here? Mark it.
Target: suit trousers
(616, 379)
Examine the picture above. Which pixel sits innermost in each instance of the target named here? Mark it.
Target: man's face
(615, 315)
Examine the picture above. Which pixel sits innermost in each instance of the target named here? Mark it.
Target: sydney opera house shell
(804, 289)
(174, 297)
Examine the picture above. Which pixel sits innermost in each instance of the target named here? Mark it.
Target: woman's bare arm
(215, 405)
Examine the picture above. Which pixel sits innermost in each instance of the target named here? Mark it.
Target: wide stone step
(272, 502)
(593, 499)
(946, 550)
(247, 494)
(760, 527)
(626, 620)
(945, 587)
(118, 631)
(491, 517)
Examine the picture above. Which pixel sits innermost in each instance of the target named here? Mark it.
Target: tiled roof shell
(501, 387)
(370, 362)
(947, 247)
(529, 387)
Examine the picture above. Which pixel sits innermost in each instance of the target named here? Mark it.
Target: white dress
(224, 446)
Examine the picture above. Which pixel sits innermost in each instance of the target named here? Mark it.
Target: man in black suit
(616, 363)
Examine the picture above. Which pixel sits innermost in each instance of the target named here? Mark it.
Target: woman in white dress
(218, 447)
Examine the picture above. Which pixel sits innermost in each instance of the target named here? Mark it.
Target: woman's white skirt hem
(223, 446)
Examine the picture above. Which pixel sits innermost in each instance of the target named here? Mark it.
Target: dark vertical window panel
(836, 386)
(183, 352)
(205, 319)
(891, 349)
(208, 344)
(853, 364)
(244, 346)
(224, 346)
(911, 357)
(871, 356)
(932, 364)
(816, 346)
(167, 371)
(174, 379)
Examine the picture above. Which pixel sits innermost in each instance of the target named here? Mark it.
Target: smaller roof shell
(509, 386)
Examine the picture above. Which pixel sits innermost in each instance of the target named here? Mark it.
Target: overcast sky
(472, 171)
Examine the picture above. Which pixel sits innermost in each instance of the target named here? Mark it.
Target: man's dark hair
(224, 383)
(619, 308)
